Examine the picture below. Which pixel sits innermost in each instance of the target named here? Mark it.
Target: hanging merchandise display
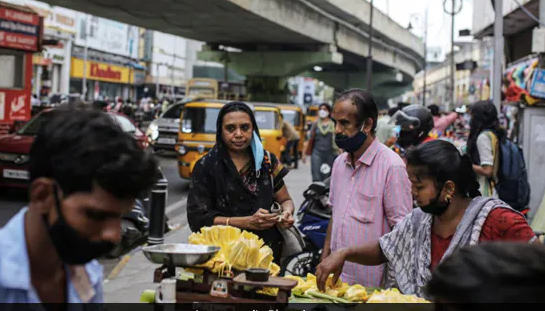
(524, 81)
(515, 80)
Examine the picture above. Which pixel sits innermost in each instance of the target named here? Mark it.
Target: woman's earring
(448, 198)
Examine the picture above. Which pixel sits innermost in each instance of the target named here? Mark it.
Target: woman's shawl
(408, 246)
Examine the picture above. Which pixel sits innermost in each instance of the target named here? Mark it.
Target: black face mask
(73, 249)
(435, 208)
(407, 138)
(350, 144)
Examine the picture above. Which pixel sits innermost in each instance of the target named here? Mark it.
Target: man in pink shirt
(370, 189)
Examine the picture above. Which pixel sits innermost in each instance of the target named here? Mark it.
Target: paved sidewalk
(134, 273)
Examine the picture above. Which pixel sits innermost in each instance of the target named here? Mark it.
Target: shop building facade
(51, 66)
(104, 62)
(522, 75)
(107, 75)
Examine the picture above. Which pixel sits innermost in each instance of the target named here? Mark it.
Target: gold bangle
(227, 222)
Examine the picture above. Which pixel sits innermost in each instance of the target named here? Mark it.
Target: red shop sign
(14, 105)
(21, 17)
(19, 30)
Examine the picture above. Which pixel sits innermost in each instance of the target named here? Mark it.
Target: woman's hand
(287, 220)
(332, 264)
(262, 219)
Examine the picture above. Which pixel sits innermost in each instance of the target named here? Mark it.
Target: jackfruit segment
(274, 269)
(332, 292)
(265, 257)
(341, 289)
(244, 254)
(239, 249)
(392, 295)
(311, 278)
(356, 293)
(329, 282)
(308, 287)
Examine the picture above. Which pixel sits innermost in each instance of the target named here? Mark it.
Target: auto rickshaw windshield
(267, 120)
(199, 120)
(312, 111)
(292, 117)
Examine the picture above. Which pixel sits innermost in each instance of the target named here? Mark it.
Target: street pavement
(134, 273)
(12, 200)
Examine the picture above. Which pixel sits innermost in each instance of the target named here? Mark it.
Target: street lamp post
(452, 12)
(425, 58)
(157, 80)
(85, 57)
(172, 71)
(498, 54)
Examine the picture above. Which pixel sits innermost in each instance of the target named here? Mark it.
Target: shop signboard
(106, 35)
(19, 30)
(537, 88)
(101, 72)
(15, 102)
(55, 17)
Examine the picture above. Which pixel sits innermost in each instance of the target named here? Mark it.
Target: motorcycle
(312, 220)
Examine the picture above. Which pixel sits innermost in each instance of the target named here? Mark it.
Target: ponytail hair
(442, 161)
(472, 183)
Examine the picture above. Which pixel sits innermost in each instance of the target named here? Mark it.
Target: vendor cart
(205, 286)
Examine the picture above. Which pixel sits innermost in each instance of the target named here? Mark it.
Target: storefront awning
(136, 66)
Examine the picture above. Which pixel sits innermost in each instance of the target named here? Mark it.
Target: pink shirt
(441, 123)
(367, 202)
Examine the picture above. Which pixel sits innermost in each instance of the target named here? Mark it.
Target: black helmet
(416, 122)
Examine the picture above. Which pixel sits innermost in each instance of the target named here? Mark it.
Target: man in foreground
(85, 173)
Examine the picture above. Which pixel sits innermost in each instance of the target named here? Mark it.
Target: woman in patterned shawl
(237, 182)
(451, 215)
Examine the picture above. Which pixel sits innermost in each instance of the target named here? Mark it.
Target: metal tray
(179, 254)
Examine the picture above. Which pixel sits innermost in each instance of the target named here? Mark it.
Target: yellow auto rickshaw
(312, 115)
(269, 122)
(197, 134)
(294, 115)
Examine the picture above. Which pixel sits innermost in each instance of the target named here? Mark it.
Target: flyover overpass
(281, 38)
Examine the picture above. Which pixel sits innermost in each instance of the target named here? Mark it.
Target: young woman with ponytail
(451, 214)
(483, 145)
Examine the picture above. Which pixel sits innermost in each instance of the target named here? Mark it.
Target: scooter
(312, 220)
(134, 230)
(135, 225)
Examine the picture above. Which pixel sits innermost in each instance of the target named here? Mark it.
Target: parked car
(163, 131)
(15, 148)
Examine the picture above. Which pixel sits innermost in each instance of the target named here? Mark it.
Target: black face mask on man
(72, 247)
(351, 144)
(435, 207)
(408, 138)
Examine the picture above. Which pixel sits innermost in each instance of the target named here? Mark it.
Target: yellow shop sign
(102, 72)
